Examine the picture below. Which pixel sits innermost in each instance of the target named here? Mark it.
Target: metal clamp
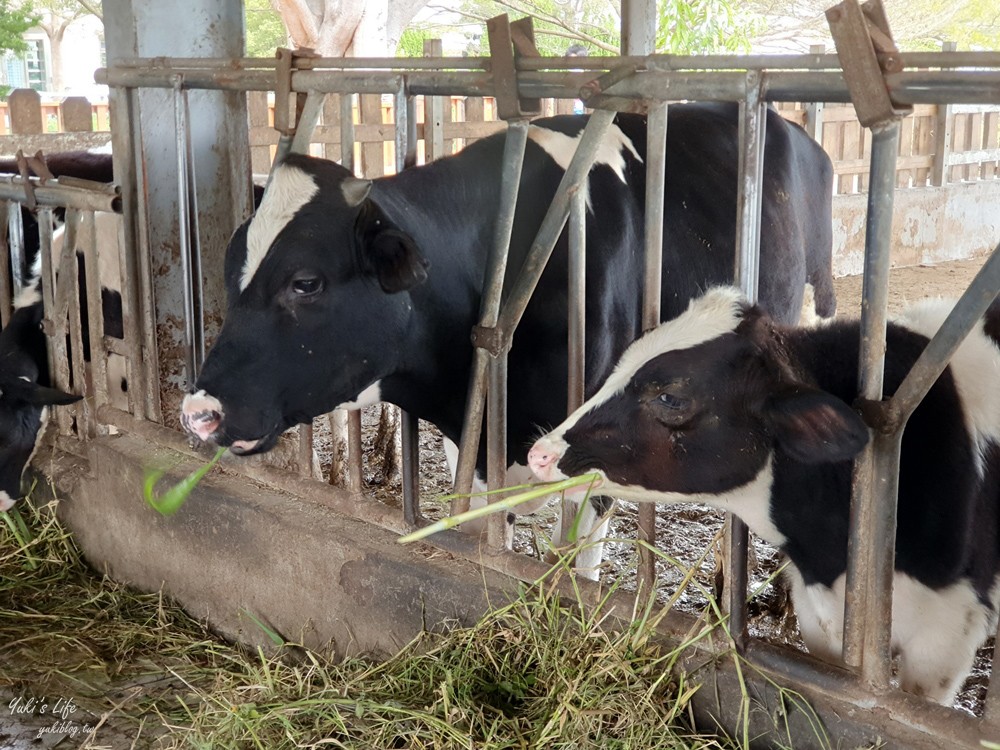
(867, 54)
(284, 119)
(509, 41)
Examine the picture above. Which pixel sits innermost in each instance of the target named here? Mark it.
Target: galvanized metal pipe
(872, 537)
(967, 59)
(496, 448)
(908, 87)
(496, 268)
(573, 179)
(752, 133)
(95, 320)
(960, 321)
(577, 329)
(54, 194)
(194, 325)
(15, 241)
(656, 161)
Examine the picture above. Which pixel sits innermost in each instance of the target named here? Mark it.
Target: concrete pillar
(144, 124)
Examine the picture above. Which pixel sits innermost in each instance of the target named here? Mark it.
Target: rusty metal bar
(55, 303)
(954, 59)
(573, 179)
(496, 268)
(872, 537)
(907, 87)
(410, 434)
(95, 319)
(96, 196)
(137, 302)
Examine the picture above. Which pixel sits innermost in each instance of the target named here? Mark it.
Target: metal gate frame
(609, 85)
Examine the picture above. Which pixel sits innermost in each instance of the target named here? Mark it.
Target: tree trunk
(338, 28)
(55, 51)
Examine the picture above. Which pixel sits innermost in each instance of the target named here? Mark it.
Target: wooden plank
(76, 114)
(991, 140)
(851, 149)
(372, 151)
(904, 177)
(258, 113)
(924, 141)
(475, 112)
(327, 132)
(833, 136)
(52, 142)
(942, 144)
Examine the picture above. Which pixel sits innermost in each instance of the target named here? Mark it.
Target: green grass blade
(171, 501)
(539, 490)
(21, 534)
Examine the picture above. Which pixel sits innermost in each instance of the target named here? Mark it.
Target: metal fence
(610, 84)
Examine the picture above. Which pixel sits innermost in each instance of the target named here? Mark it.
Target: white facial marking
(561, 148)
(975, 367)
(936, 632)
(713, 314)
(289, 191)
(31, 293)
(5, 502)
(369, 396)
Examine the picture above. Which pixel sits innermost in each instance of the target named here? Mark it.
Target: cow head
(316, 276)
(697, 409)
(23, 396)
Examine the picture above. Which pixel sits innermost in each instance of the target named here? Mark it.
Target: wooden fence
(938, 145)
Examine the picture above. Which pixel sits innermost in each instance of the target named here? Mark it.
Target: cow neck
(448, 210)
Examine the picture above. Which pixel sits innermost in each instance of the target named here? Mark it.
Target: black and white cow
(25, 382)
(723, 406)
(346, 291)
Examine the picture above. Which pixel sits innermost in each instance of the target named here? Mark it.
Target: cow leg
(936, 634)
(592, 528)
(820, 613)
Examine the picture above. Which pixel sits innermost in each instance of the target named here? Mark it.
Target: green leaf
(172, 500)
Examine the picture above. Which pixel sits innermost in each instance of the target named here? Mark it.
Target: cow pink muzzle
(543, 459)
(201, 415)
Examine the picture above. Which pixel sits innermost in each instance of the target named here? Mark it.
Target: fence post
(942, 134)
(814, 110)
(25, 112)
(77, 114)
(433, 112)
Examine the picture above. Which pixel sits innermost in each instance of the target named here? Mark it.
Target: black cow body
(723, 407)
(341, 290)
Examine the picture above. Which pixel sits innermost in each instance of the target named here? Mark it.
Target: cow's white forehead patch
(715, 313)
(31, 293)
(561, 148)
(290, 189)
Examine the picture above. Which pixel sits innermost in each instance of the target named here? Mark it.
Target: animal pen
(180, 149)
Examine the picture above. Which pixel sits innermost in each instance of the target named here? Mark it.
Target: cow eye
(671, 402)
(308, 286)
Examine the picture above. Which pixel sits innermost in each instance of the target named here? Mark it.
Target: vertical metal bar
(347, 131)
(496, 446)
(656, 160)
(7, 272)
(137, 312)
(510, 180)
(409, 432)
(55, 328)
(872, 537)
(15, 235)
(753, 122)
(95, 316)
(402, 140)
(409, 426)
(411, 129)
(191, 336)
(577, 331)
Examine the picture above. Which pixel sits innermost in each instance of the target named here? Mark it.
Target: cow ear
(814, 427)
(41, 395)
(396, 261)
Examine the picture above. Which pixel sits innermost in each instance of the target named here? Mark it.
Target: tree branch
(93, 9)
